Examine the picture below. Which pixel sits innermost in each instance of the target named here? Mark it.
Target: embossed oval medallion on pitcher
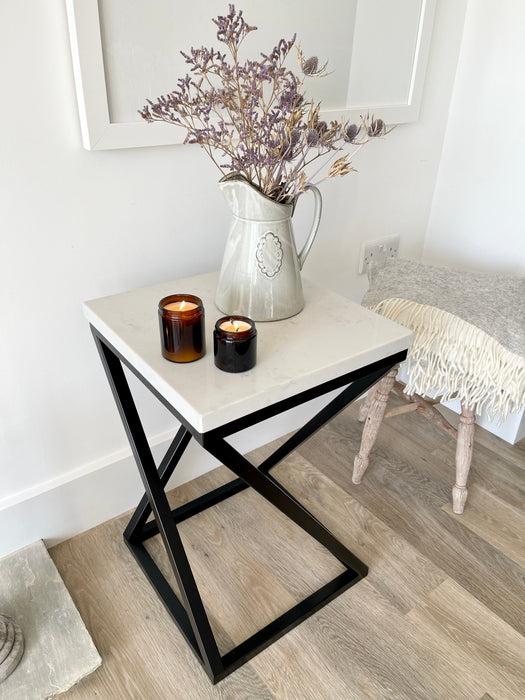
(269, 254)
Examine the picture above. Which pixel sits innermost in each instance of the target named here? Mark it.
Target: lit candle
(180, 306)
(235, 344)
(181, 322)
(235, 326)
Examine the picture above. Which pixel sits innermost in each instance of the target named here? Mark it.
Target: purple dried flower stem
(270, 177)
(220, 117)
(302, 162)
(264, 137)
(231, 117)
(207, 147)
(240, 97)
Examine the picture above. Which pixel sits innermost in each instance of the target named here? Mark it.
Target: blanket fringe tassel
(450, 355)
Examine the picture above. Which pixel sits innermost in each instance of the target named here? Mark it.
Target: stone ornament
(11, 646)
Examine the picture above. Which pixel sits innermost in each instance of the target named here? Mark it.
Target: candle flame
(236, 326)
(182, 305)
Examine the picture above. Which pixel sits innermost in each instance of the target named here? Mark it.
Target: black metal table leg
(201, 640)
(269, 489)
(339, 403)
(166, 469)
(189, 612)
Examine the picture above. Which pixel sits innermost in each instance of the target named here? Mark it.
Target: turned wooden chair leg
(365, 405)
(375, 413)
(463, 458)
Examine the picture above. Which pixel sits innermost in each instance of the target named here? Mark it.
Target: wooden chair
(373, 410)
(462, 347)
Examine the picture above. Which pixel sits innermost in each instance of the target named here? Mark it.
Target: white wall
(393, 190)
(478, 213)
(77, 225)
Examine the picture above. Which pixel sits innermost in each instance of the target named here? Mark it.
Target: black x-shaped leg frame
(189, 613)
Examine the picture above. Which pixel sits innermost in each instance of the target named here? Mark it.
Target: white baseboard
(77, 501)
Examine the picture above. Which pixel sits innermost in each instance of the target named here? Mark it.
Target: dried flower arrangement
(255, 114)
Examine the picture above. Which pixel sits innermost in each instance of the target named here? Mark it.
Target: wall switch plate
(378, 251)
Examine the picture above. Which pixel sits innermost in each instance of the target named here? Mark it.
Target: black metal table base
(188, 612)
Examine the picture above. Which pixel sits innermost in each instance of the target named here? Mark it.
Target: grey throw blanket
(494, 303)
(469, 330)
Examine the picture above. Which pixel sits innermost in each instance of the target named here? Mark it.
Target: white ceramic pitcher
(260, 274)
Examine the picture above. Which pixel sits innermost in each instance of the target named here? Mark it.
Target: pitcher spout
(248, 202)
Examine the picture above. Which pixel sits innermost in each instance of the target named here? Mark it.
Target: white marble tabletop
(330, 337)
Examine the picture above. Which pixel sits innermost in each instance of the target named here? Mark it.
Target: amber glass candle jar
(235, 343)
(181, 321)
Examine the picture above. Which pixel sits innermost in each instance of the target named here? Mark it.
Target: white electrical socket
(378, 251)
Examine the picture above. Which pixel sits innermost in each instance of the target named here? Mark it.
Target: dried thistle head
(351, 132)
(321, 128)
(310, 66)
(374, 127)
(312, 138)
(291, 140)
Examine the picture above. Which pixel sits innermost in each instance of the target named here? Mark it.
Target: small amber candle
(235, 344)
(181, 322)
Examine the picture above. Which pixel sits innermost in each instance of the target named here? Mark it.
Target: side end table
(333, 343)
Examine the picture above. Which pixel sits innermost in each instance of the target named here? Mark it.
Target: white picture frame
(99, 132)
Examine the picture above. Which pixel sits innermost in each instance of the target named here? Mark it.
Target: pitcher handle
(315, 224)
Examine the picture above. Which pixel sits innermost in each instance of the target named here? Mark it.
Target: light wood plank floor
(440, 615)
